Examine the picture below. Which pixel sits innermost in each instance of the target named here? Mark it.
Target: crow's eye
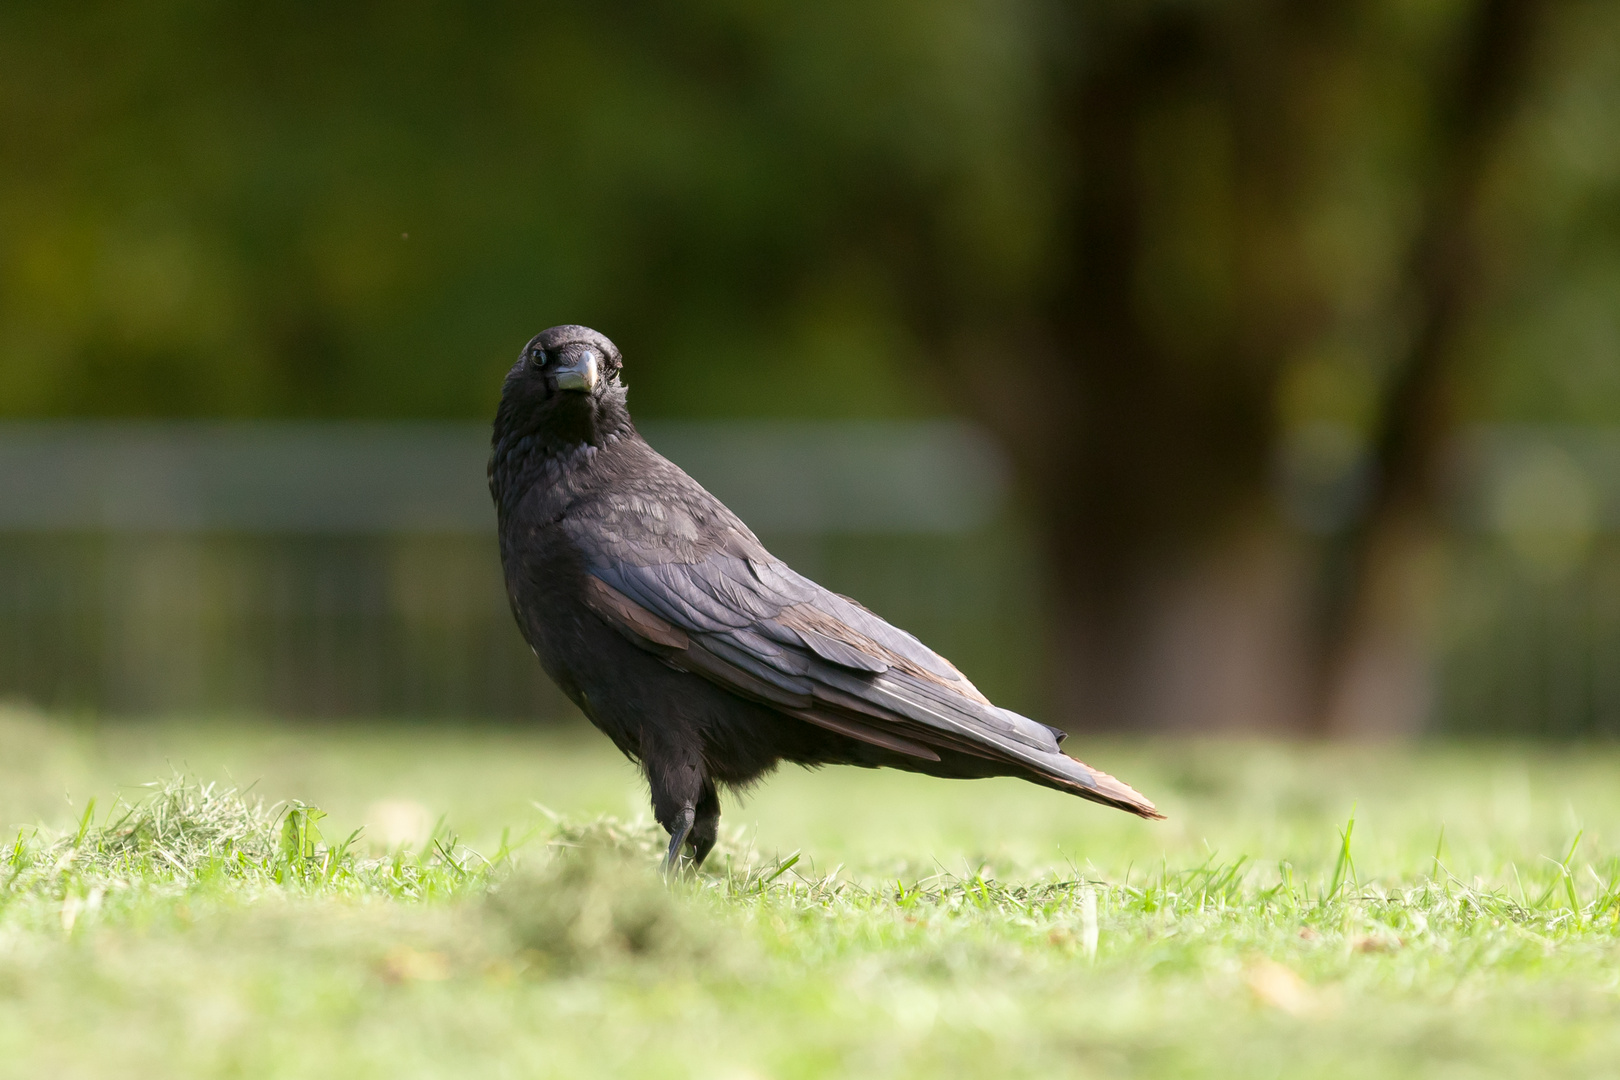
(538, 358)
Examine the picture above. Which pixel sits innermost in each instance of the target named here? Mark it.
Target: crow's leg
(678, 787)
(707, 826)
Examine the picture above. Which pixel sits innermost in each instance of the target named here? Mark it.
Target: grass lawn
(1466, 926)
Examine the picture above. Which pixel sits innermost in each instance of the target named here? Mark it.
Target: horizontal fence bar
(940, 476)
(351, 569)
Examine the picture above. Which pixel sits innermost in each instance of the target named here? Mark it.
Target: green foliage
(365, 211)
(306, 211)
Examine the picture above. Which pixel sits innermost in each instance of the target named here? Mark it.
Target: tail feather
(1078, 778)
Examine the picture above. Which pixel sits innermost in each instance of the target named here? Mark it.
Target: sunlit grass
(1458, 915)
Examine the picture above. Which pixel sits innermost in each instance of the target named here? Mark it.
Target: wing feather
(759, 629)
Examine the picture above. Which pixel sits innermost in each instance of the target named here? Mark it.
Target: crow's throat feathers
(543, 442)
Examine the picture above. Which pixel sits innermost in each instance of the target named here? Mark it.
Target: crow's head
(568, 360)
(563, 393)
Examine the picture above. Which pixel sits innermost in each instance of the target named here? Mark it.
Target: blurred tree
(1371, 666)
(1200, 152)
(235, 210)
(1222, 276)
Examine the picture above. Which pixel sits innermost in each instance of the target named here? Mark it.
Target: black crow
(704, 658)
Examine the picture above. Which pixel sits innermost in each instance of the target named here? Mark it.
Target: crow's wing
(762, 631)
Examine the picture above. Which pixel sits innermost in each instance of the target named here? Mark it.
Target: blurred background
(1173, 366)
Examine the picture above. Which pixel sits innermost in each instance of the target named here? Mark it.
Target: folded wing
(764, 632)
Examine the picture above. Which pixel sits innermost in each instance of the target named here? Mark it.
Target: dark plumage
(702, 656)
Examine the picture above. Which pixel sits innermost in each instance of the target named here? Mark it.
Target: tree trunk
(1375, 675)
(1137, 394)
(1214, 646)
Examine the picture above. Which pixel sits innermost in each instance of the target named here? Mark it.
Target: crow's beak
(578, 375)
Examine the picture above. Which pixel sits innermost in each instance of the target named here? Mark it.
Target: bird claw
(677, 838)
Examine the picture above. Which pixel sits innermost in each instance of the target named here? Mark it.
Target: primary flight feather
(703, 657)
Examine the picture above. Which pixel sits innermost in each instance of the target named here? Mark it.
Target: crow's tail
(1077, 778)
